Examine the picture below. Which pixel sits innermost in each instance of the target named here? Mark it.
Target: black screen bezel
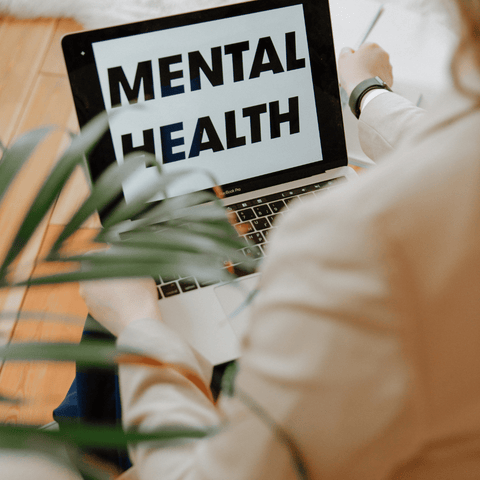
(87, 96)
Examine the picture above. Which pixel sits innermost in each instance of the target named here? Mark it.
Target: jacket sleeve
(308, 366)
(385, 122)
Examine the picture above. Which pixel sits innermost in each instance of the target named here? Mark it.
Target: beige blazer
(364, 341)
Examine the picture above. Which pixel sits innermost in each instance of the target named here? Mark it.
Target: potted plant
(195, 243)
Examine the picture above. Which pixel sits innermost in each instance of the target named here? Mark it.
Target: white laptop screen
(232, 96)
(235, 91)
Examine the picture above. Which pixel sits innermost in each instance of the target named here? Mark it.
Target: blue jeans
(94, 399)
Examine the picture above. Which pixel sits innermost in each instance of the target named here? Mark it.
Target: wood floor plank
(71, 198)
(23, 45)
(11, 299)
(50, 103)
(49, 314)
(47, 103)
(74, 193)
(55, 299)
(21, 381)
(54, 63)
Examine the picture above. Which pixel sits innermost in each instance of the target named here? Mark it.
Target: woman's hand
(368, 61)
(116, 303)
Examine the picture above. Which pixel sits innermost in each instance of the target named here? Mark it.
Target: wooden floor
(34, 91)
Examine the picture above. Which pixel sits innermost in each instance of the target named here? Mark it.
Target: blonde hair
(469, 12)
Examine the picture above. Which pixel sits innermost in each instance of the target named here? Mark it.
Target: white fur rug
(101, 13)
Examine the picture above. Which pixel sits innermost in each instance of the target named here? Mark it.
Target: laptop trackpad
(235, 298)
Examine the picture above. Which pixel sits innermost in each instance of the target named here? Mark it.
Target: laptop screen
(247, 92)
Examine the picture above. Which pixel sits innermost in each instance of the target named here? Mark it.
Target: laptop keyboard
(254, 220)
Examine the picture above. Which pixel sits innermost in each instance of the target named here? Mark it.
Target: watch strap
(361, 89)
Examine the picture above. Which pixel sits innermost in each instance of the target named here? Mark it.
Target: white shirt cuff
(369, 96)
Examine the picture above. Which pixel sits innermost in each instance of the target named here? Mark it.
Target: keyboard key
(309, 188)
(300, 191)
(266, 233)
(240, 270)
(288, 200)
(240, 206)
(262, 210)
(273, 197)
(260, 223)
(272, 218)
(232, 217)
(253, 252)
(277, 206)
(170, 289)
(246, 215)
(244, 228)
(287, 194)
(321, 185)
(228, 265)
(187, 284)
(255, 237)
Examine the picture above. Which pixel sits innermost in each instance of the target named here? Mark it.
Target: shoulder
(424, 199)
(438, 162)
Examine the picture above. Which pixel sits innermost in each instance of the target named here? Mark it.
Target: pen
(372, 25)
(343, 94)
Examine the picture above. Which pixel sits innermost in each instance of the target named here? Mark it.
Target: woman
(364, 339)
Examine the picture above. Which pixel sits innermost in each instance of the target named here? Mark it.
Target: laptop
(247, 91)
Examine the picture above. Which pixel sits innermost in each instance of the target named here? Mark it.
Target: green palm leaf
(163, 211)
(15, 157)
(111, 269)
(10, 400)
(54, 184)
(128, 211)
(87, 354)
(108, 186)
(16, 437)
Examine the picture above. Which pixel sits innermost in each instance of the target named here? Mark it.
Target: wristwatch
(361, 89)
